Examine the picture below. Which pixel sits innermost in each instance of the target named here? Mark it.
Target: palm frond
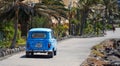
(55, 9)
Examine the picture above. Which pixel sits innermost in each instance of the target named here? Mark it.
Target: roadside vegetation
(88, 17)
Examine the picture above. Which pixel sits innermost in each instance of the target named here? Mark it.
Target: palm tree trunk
(15, 36)
(94, 25)
(13, 44)
(83, 21)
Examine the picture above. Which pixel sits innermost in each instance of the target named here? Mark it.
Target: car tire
(55, 52)
(32, 53)
(50, 54)
(27, 54)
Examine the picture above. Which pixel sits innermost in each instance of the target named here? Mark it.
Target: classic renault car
(41, 40)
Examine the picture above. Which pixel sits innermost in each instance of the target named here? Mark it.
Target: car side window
(52, 34)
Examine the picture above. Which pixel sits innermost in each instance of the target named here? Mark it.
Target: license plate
(38, 45)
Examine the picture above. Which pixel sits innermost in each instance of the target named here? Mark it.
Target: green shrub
(89, 28)
(60, 30)
(21, 42)
(4, 44)
(109, 26)
(8, 31)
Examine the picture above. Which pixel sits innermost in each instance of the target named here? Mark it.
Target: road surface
(71, 52)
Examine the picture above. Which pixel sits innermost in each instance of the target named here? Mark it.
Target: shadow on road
(36, 56)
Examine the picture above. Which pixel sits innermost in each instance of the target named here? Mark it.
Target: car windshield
(38, 35)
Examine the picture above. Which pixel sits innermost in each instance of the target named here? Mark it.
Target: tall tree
(16, 11)
(84, 6)
(111, 9)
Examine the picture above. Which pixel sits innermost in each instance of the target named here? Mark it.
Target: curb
(7, 51)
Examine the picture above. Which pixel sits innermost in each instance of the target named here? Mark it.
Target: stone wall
(107, 53)
(7, 51)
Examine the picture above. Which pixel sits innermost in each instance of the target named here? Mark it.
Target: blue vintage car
(41, 40)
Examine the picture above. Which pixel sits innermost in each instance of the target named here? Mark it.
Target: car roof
(40, 29)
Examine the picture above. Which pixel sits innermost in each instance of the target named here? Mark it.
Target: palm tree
(110, 11)
(22, 13)
(74, 21)
(84, 7)
(16, 11)
(111, 8)
(48, 8)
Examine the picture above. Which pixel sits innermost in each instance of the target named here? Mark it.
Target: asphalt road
(71, 52)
